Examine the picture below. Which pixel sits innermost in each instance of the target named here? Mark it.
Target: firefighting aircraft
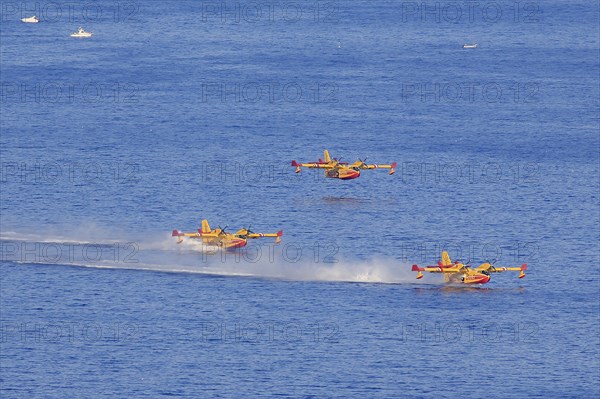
(460, 273)
(219, 237)
(341, 170)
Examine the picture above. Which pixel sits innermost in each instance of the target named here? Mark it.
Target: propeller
(492, 263)
(248, 232)
(363, 162)
(467, 263)
(222, 230)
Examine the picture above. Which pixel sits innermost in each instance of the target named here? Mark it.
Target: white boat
(81, 33)
(470, 45)
(30, 20)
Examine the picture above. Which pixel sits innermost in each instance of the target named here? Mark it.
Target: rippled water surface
(182, 110)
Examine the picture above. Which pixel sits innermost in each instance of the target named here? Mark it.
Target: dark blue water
(177, 111)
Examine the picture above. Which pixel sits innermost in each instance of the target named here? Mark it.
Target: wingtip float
(221, 238)
(460, 273)
(335, 169)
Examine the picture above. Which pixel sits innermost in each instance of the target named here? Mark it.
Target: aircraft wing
(489, 268)
(177, 233)
(209, 235)
(361, 165)
(180, 235)
(245, 234)
(319, 165)
(436, 269)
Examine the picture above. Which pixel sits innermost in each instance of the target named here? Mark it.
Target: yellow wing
(362, 165)
(437, 269)
(177, 233)
(244, 233)
(325, 163)
(180, 235)
(318, 165)
(489, 268)
(215, 233)
(209, 235)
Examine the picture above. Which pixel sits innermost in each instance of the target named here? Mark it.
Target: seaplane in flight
(221, 238)
(460, 273)
(336, 169)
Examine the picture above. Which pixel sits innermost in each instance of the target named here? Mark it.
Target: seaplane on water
(221, 238)
(460, 273)
(336, 169)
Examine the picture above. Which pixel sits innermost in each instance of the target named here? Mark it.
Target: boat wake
(164, 255)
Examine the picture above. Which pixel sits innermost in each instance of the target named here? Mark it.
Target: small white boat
(81, 33)
(474, 45)
(30, 20)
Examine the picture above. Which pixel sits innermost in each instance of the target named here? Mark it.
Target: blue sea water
(177, 111)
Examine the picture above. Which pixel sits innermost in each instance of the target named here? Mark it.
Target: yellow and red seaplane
(336, 169)
(460, 273)
(219, 237)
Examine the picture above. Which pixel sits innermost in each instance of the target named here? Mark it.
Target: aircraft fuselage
(342, 173)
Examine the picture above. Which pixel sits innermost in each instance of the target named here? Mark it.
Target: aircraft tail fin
(446, 259)
(326, 156)
(205, 226)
